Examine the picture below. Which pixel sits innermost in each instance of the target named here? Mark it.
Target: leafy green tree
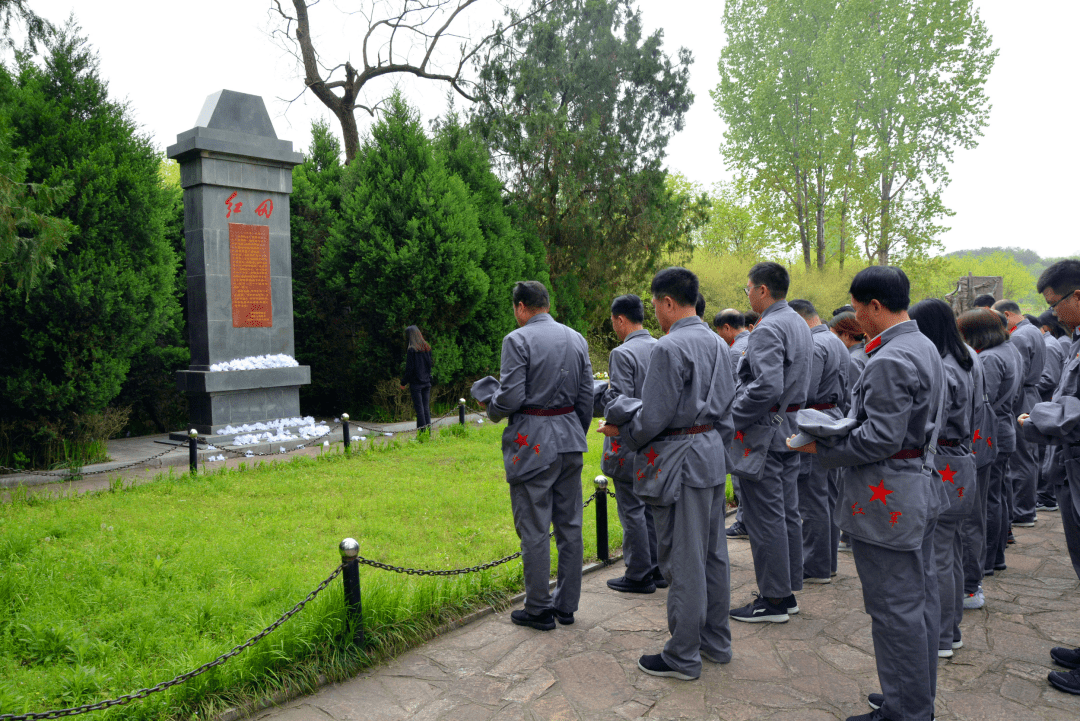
(578, 107)
(111, 294)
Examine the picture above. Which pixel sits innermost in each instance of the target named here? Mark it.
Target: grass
(101, 595)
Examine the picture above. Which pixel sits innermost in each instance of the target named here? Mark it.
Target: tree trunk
(884, 230)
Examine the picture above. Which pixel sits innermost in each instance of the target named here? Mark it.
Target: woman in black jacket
(418, 375)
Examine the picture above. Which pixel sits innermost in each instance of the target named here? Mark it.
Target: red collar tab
(1013, 329)
(873, 345)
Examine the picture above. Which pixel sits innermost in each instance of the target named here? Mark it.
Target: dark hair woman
(1001, 365)
(847, 329)
(418, 375)
(954, 462)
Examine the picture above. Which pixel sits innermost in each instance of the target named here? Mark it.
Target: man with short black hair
(731, 326)
(751, 317)
(546, 393)
(699, 307)
(774, 375)
(1023, 477)
(986, 300)
(889, 497)
(1047, 423)
(681, 428)
(842, 309)
(829, 369)
(627, 366)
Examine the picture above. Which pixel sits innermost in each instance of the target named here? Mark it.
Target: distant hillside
(1027, 258)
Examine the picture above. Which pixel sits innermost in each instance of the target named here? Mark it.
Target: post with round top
(601, 518)
(345, 429)
(193, 450)
(461, 411)
(350, 575)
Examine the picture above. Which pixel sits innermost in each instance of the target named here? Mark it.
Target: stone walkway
(819, 665)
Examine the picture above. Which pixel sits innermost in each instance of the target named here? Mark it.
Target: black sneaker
(1000, 567)
(760, 611)
(658, 579)
(1069, 682)
(791, 604)
(1067, 657)
(654, 666)
(541, 622)
(563, 617)
(624, 584)
(1047, 505)
(737, 530)
(874, 715)
(713, 659)
(876, 700)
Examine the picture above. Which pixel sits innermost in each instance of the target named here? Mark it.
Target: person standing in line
(699, 307)
(847, 328)
(890, 498)
(986, 300)
(418, 375)
(1002, 368)
(546, 393)
(774, 376)
(829, 394)
(627, 366)
(1023, 471)
(731, 326)
(1048, 382)
(973, 525)
(954, 462)
(680, 429)
(1047, 423)
(752, 317)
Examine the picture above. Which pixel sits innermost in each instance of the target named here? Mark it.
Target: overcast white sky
(1014, 189)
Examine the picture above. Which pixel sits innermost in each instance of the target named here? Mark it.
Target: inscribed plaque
(249, 265)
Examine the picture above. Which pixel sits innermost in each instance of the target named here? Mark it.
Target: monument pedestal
(224, 398)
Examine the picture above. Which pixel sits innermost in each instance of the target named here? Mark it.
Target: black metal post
(350, 576)
(461, 411)
(345, 429)
(193, 451)
(601, 518)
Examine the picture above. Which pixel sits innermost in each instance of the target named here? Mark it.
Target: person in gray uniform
(845, 327)
(828, 393)
(627, 366)
(890, 498)
(774, 376)
(546, 393)
(680, 429)
(1048, 382)
(1048, 423)
(730, 325)
(954, 462)
(1023, 475)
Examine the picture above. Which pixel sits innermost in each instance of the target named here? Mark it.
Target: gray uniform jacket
(677, 394)
(1055, 363)
(1066, 343)
(627, 366)
(544, 365)
(737, 348)
(858, 362)
(1064, 414)
(955, 463)
(830, 368)
(1028, 340)
(776, 365)
(982, 443)
(1001, 372)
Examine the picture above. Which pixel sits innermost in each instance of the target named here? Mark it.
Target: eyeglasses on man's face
(1062, 299)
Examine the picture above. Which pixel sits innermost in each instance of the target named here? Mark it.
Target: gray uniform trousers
(774, 526)
(639, 531)
(693, 556)
(736, 487)
(1068, 498)
(997, 512)
(551, 498)
(816, 515)
(973, 532)
(901, 595)
(1044, 493)
(834, 530)
(948, 554)
(1023, 471)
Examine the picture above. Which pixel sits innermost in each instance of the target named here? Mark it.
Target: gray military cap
(484, 389)
(815, 425)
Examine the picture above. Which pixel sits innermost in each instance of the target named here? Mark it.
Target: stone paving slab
(820, 665)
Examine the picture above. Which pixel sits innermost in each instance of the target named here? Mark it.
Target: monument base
(232, 398)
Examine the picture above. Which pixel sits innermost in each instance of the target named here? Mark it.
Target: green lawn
(101, 595)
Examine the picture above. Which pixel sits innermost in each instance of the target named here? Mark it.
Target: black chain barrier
(80, 472)
(143, 693)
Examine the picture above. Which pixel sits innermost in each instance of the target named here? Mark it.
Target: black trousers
(421, 401)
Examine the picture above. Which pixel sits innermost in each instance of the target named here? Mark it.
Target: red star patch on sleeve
(948, 474)
(521, 440)
(880, 491)
(652, 455)
(740, 436)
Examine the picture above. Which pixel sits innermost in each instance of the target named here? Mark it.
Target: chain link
(81, 472)
(143, 693)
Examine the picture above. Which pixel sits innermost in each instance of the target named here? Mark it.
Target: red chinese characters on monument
(249, 268)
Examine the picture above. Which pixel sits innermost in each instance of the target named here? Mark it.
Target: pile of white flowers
(256, 362)
(279, 431)
(601, 376)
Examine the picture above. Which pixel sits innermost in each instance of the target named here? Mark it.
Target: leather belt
(693, 430)
(949, 443)
(908, 453)
(548, 411)
(821, 406)
(790, 409)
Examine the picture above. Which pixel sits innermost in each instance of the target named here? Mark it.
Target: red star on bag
(880, 491)
(521, 440)
(652, 455)
(978, 436)
(614, 446)
(894, 516)
(740, 436)
(948, 474)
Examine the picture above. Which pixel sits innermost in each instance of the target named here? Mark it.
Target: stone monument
(237, 177)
